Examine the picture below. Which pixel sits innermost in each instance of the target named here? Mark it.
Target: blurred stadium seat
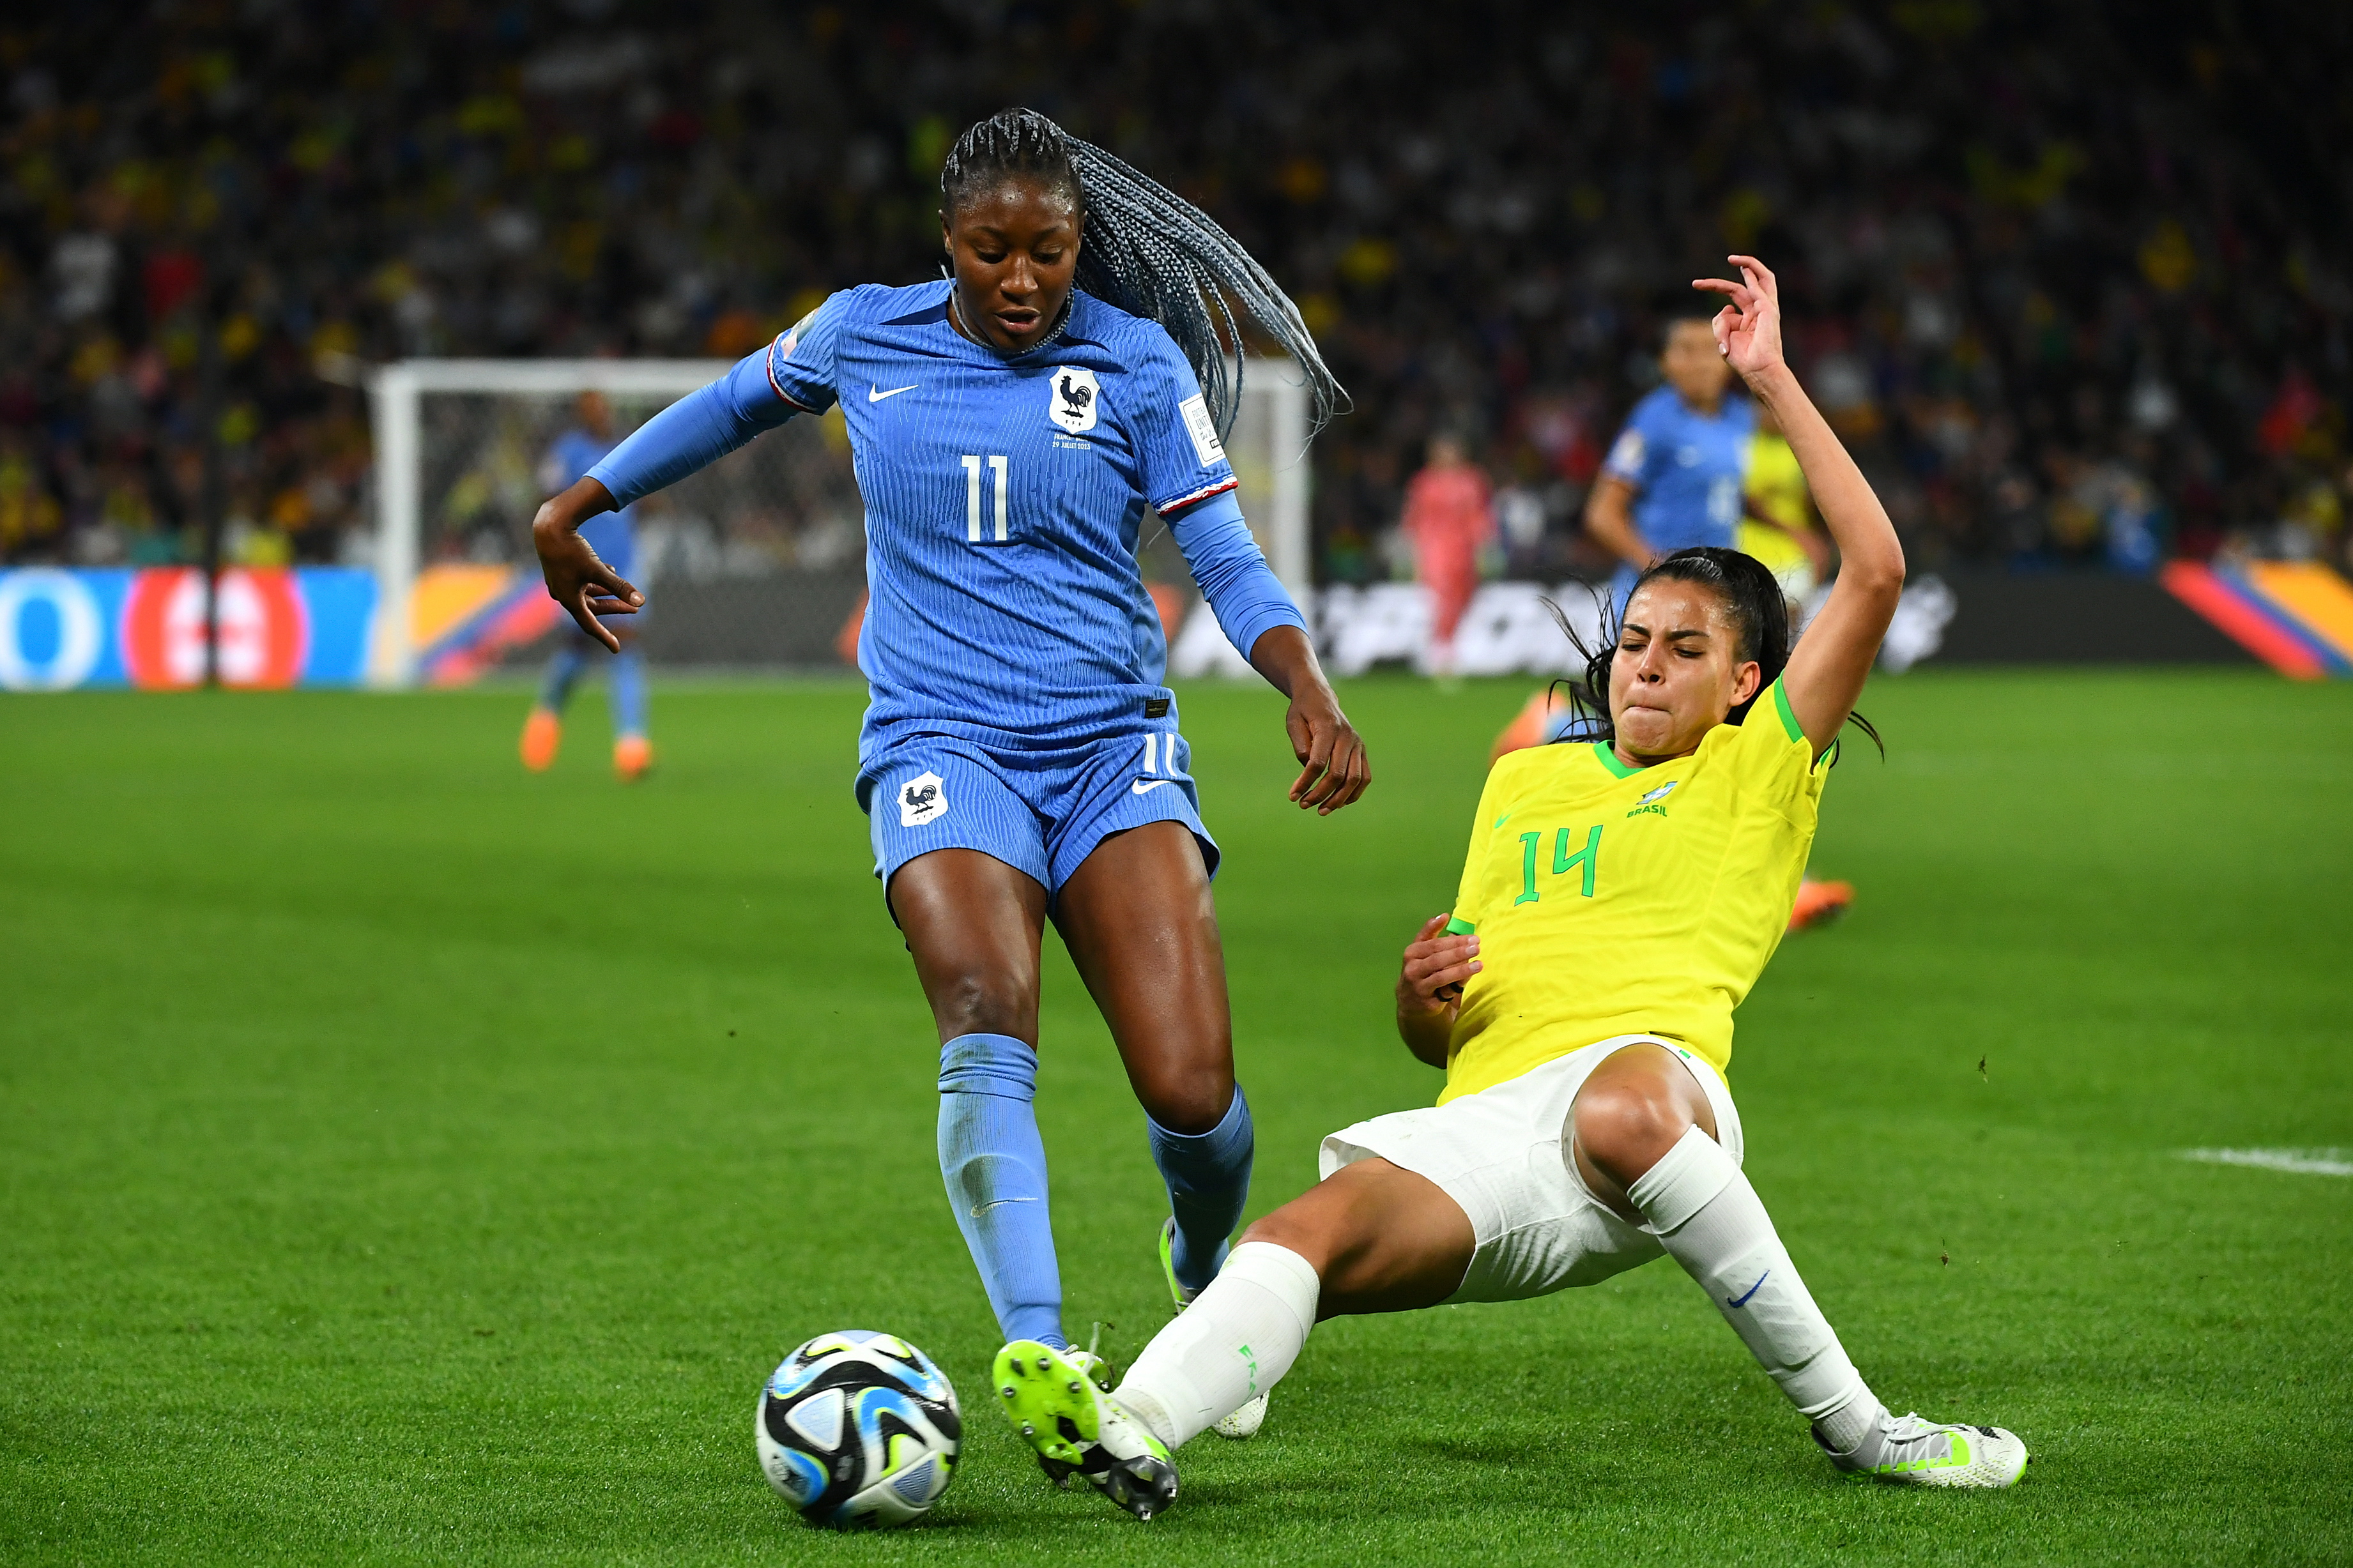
(2068, 281)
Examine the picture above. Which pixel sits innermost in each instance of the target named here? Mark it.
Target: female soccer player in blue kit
(1020, 759)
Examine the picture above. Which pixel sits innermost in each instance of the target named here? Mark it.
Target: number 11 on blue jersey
(972, 498)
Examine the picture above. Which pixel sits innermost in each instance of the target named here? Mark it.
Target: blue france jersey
(1687, 468)
(612, 534)
(1003, 498)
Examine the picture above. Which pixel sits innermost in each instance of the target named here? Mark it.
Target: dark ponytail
(1760, 614)
(1150, 252)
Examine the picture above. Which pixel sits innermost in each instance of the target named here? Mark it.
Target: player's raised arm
(1831, 662)
(697, 430)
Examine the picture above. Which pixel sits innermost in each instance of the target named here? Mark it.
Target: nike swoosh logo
(1752, 1290)
(999, 1203)
(875, 395)
(1145, 786)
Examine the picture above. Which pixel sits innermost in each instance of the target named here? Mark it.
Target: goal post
(397, 392)
(759, 558)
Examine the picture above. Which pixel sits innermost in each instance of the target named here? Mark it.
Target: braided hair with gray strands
(1150, 252)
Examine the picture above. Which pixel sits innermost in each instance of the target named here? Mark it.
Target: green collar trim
(1788, 719)
(1609, 755)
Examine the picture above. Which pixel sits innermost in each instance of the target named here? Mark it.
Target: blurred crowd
(2070, 281)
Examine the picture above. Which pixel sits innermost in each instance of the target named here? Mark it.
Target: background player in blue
(1677, 477)
(613, 536)
(1020, 759)
(1673, 479)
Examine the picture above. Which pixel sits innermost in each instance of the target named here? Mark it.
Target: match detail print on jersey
(1203, 429)
(921, 799)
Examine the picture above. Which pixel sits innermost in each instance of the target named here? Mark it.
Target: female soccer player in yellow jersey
(1619, 900)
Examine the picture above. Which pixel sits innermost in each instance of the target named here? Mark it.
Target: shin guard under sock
(1711, 1221)
(995, 1167)
(1208, 1175)
(1233, 1343)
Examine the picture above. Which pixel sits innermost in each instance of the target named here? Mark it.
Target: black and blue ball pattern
(859, 1429)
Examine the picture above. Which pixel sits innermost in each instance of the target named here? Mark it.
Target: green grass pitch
(403, 1158)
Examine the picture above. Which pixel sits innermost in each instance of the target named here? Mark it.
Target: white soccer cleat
(1912, 1451)
(1245, 1422)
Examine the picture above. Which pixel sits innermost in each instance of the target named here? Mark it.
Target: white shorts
(1503, 1154)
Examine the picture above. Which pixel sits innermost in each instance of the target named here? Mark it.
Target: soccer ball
(859, 1429)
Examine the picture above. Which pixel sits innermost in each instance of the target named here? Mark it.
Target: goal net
(757, 561)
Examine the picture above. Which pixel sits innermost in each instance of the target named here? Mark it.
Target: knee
(986, 1002)
(1190, 1101)
(1627, 1125)
(1293, 1230)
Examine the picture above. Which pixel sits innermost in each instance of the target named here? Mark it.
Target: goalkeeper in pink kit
(1449, 518)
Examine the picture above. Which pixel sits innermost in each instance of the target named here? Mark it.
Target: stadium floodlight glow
(422, 482)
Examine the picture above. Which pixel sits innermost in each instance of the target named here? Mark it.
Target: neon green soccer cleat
(1097, 1370)
(1915, 1452)
(1077, 1429)
(1243, 1423)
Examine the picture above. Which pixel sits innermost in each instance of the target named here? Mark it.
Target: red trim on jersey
(1182, 502)
(768, 364)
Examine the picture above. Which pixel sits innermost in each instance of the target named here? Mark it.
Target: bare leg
(973, 923)
(1380, 1237)
(1143, 928)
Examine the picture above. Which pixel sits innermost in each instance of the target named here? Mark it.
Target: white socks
(1241, 1335)
(1711, 1221)
(1233, 1343)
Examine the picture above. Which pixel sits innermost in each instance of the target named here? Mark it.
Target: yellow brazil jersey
(1617, 901)
(1775, 487)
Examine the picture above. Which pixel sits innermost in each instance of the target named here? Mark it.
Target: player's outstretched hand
(1748, 329)
(576, 578)
(1333, 768)
(1436, 965)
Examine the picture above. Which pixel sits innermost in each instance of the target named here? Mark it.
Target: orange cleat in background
(1532, 727)
(543, 732)
(1819, 903)
(633, 758)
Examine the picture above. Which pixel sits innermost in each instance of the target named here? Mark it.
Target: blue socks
(628, 693)
(1209, 1181)
(562, 671)
(995, 1166)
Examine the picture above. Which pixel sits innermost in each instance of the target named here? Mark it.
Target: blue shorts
(1040, 812)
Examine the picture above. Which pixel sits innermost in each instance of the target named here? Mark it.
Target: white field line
(2303, 1161)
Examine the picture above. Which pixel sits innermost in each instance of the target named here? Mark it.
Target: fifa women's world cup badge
(1073, 399)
